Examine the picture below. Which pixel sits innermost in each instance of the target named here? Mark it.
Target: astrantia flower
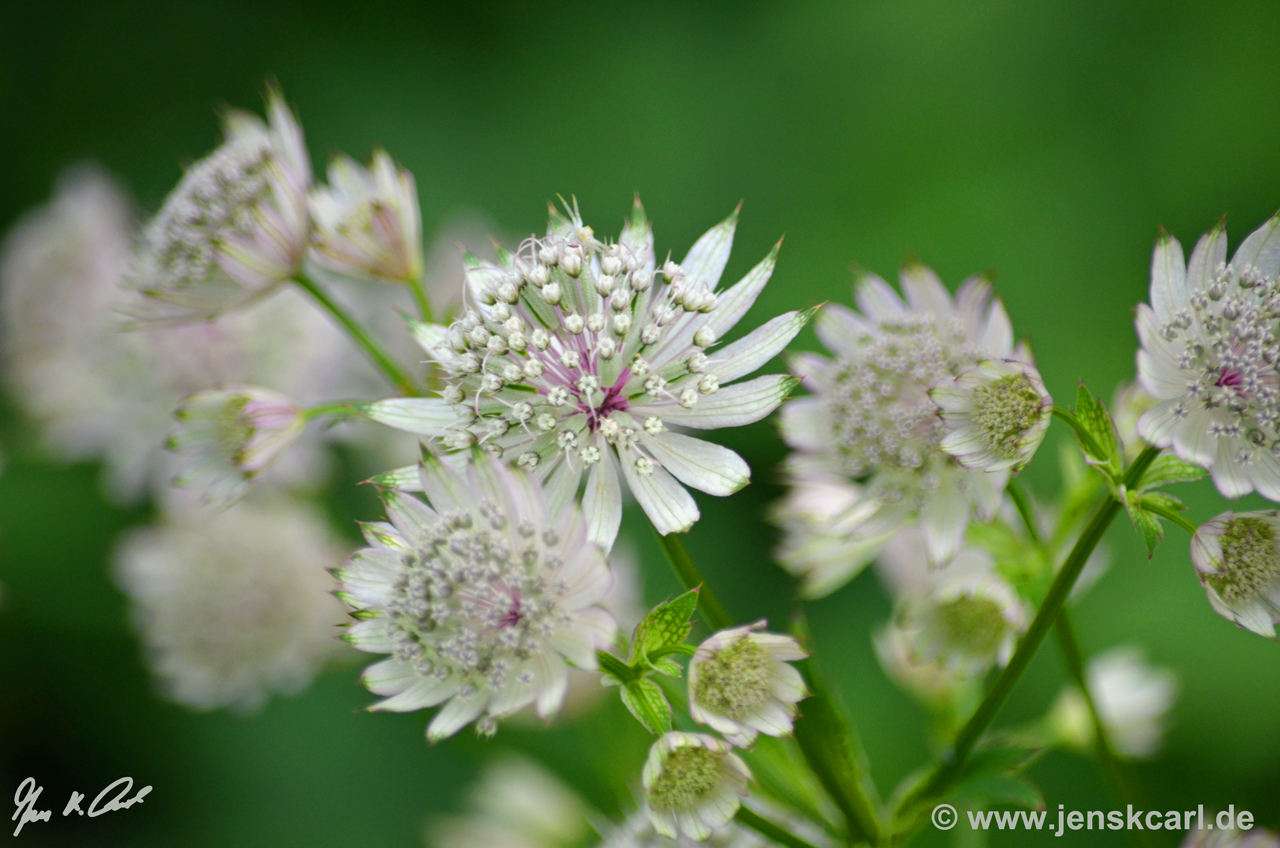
(1231, 838)
(1129, 403)
(740, 684)
(367, 220)
(236, 226)
(233, 606)
(638, 832)
(870, 415)
(228, 436)
(1237, 557)
(1133, 700)
(1209, 356)
(996, 412)
(969, 622)
(481, 598)
(581, 355)
(693, 784)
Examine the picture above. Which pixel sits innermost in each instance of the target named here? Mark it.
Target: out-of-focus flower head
(870, 415)
(1209, 356)
(996, 412)
(233, 606)
(1133, 700)
(481, 597)
(1237, 558)
(367, 222)
(1230, 838)
(1130, 403)
(516, 803)
(229, 436)
(236, 226)
(581, 354)
(693, 784)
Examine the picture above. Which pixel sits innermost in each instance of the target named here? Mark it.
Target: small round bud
(704, 337)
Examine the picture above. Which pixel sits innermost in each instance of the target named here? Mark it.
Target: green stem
(1123, 782)
(1090, 443)
(769, 830)
(379, 357)
(342, 407)
(1163, 512)
(1023, 504)
(973, 729)
(708, 604)
(613, 665)
(420, 297)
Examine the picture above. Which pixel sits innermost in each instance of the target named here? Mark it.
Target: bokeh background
(1047, 142)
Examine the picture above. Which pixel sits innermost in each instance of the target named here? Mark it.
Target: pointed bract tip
(1220, 226)
(732, 220)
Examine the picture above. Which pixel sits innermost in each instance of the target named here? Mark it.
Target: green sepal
(1166, 469)
(646, 702)
(666, 625)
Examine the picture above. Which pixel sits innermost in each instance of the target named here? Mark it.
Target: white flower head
(481, 597)
(1129, 403)
(996, 412)
(367, 222)
(1229, 838)
(927, 680)
(1237, 558)
(638, 832)
(870, 415)
(969, 622)
(1133, 700)
(229, 436)
(740, 684)
(693, 784)
(581, 356)
(1209, 356)
(236, 226)
(236, 605)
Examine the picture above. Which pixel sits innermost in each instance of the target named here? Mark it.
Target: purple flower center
(614, 401)
(1230, 378)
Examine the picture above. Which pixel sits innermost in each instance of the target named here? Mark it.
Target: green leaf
(1093, 416)
(646, 702)
(666, 624)
(1000, 789)
(1166, 469)
(1145, 523)
(1164, 500)
(669, 667)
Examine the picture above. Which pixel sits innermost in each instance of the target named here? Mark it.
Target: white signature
(29, 793)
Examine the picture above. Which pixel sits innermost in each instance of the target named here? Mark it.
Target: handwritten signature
(29, 793)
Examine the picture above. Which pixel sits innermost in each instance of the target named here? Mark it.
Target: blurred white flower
(516, 803)
(693, 784)
(870, 415)
(233, 606)
(740, 684)
(968, 622)
(1129, 403)
(236, 226)
(445, 270)
(996, 412)
(580, 356)
(367, 222)
(1232, 838)
(1209, 356)
(1237, 558)
(1133, 700)
(638, 832)
(481, 598)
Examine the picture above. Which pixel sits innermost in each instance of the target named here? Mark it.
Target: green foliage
(1167, 469)
(666, 625)
(646, 702)
(1097, 433)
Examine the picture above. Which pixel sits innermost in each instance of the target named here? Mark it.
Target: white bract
(741, 686)
(1237, 558)
(870, 415)
(996, 412)
(367, 222)
(236, 226)
(1133, 700)
(581, 356)
(481, 597)
(236, 605)
(693, 784)
(229, 436)
(1209, 354)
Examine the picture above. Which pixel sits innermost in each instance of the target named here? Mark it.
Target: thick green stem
(420, 298)
(709, 605)
(971, 732)
(378, 356)
(1123, 782)
(748, 817)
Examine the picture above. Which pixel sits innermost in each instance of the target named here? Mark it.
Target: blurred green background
(1046, 141)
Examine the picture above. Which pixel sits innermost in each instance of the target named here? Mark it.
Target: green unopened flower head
(693, 784)
(1237, 557)
(230, 436)
(740, 683)
(997, 413)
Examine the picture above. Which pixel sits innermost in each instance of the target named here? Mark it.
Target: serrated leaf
(669, 667)
(666, 624)
(1167, 469)
(646, 702)
(1093, 416)
(1145, 523)
(1164, 500)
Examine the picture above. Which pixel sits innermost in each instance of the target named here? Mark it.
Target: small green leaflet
(1096, 421)
(1166, 469)
(666, 624)
(1145, 523)
(646, 702)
